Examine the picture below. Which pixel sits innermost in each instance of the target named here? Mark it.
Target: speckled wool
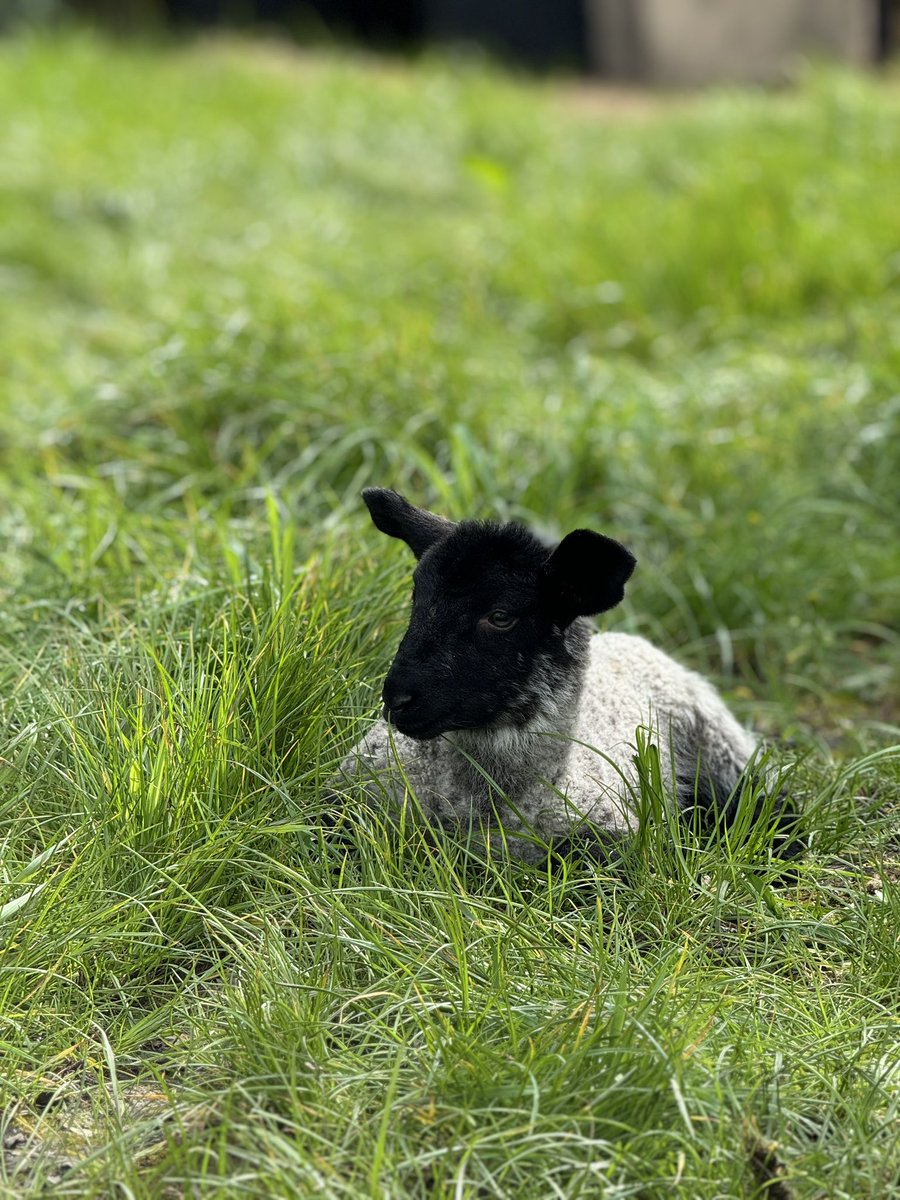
(574, 760)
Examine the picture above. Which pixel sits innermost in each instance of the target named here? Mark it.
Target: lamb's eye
(499, 619)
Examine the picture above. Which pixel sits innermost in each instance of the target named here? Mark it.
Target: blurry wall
(701, 41)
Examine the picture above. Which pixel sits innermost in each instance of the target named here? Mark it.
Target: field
(239, 284)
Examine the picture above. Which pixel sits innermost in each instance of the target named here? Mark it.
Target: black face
(490, 607)
(476, 630)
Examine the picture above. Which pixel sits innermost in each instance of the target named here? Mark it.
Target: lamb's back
(631, 684)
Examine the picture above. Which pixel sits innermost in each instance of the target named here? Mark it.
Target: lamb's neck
(536, 740)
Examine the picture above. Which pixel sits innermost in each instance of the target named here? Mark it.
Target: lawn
(239, 284)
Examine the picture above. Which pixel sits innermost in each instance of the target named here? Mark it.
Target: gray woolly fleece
(575, 758)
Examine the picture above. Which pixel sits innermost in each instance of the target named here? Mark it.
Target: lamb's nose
(399, 695)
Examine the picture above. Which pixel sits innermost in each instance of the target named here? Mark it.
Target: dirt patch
(42, 1146)
(623, 102)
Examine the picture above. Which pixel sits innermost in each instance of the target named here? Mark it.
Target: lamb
(503, 707)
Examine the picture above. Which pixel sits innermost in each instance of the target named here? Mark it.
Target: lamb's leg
(714, 764)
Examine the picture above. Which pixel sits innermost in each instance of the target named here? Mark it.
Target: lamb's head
(491, 603)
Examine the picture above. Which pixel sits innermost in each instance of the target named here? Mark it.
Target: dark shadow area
(538, 33)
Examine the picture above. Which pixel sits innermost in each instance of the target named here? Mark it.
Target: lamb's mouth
(416, 728)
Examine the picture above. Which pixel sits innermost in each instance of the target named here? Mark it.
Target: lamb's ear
(585, 574)
(395, 516)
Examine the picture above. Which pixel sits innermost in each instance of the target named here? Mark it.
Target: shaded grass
(242, 286)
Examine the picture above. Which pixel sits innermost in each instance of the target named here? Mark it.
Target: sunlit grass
(240, 285)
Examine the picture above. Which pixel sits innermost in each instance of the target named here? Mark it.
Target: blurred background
(662, 41)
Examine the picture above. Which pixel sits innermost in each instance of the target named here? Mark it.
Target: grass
(240, 285)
